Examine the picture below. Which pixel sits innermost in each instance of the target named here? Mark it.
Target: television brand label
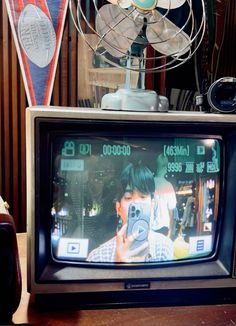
(137, 285)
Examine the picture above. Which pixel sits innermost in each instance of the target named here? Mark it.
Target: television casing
(210, 280)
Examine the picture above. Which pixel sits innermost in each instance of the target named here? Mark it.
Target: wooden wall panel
(12, 151)
(12, 111)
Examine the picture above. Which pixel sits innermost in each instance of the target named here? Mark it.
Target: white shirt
(165, 200)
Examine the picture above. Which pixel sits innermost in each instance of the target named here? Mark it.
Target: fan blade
(117, 29)
(165, 37)
(121, 3)
(170, 4)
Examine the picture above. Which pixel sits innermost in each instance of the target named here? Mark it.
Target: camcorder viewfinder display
(132, 200)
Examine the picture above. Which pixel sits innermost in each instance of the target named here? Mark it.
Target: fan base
(135, 100)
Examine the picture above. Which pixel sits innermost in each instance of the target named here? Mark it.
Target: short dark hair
(136, 176)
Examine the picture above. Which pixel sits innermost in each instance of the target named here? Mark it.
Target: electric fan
(125, 29)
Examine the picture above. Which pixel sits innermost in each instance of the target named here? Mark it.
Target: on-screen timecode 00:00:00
(116, 150)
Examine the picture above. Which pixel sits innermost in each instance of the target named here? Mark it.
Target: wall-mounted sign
(37, 27)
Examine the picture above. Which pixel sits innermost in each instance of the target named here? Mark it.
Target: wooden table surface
(212, 315)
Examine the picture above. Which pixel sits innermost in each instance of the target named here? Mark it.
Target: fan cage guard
(144, 64)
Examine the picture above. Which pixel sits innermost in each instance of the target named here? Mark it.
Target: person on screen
(165, 200)
(136, 186)
(189, 222)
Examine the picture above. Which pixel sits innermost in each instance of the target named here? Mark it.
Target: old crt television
(84, 247)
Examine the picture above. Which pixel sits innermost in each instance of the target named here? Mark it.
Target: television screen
(134, 199)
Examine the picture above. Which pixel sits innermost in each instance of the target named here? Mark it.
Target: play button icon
(73, 248)
(140, 228)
